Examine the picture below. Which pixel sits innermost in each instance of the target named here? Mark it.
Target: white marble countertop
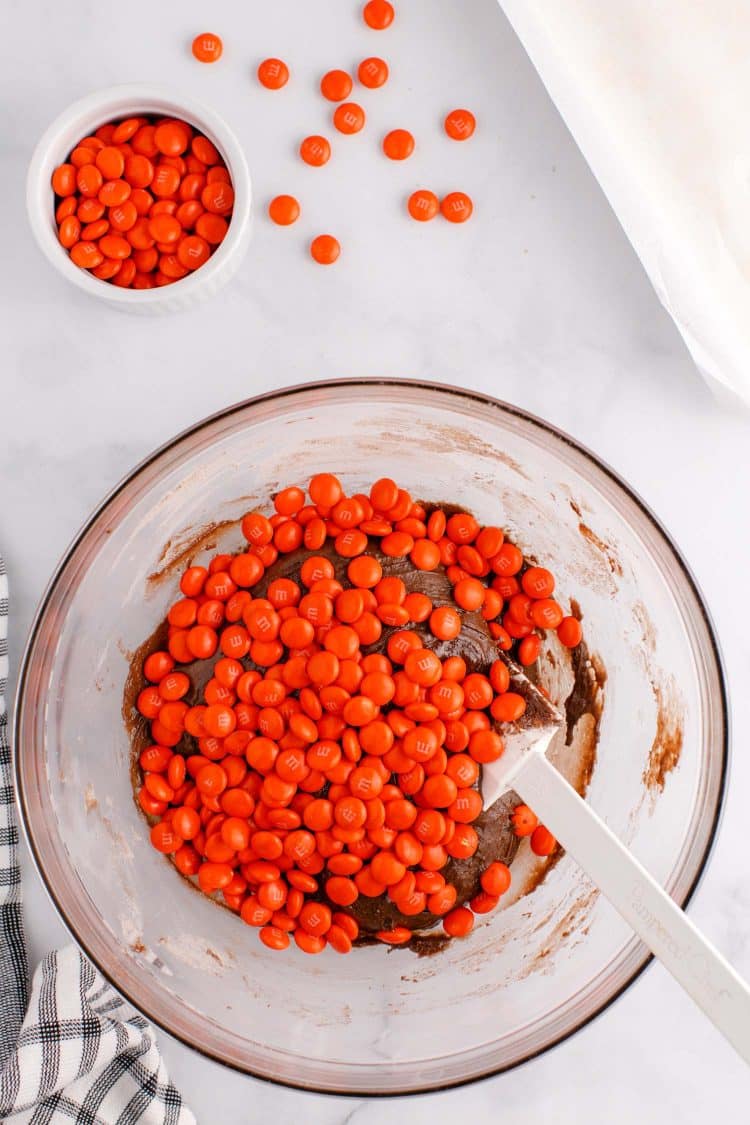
(539, 300)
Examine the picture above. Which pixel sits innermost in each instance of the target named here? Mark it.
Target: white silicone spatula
(646, 907)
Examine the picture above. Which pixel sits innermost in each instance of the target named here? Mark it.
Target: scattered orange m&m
(273, 74)
(373, 73)
(378, 14)
(325, 250)
(336, 85)
(460, 124)
(315, 151)
(423, 205)
(207, 48)
(457, 207)
(349, 118)
(398, 144)
(284, 210)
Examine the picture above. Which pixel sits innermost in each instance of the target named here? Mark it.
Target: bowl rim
(472, 396)
(124, 99)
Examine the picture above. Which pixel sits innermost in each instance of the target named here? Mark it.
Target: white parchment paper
(657, 96)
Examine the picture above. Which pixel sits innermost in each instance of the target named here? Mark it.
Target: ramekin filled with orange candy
(141, 198)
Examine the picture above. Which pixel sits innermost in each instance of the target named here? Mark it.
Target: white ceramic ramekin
(118, 102)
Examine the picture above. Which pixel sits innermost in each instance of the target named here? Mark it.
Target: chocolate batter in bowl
(646, 739)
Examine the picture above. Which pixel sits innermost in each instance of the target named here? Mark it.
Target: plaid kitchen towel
(70, 1048)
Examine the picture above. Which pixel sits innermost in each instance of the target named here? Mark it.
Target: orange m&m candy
(423, 205)
(460, 124)
(123, 217)
(459, 922)
(211, 227)
(64, 179)
(164, 228)
(325, 249)
(569, 632)
(114, 192)
(284, 210)
(193, 251)
(373, 72)
(218, 197)
(457, 207)
(315, 151)
(273, 74)
(171, 137)
(110, 162)
(398, 144)
(336, 85)
(69, 231)
(207, 47)
(378, 14)
(83, 155)
(89, 180)
(86, 254)
(349, 118)
(543, 843)
(165, 182)
(114, 246)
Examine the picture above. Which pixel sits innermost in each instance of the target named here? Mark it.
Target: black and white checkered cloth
(70, 1048)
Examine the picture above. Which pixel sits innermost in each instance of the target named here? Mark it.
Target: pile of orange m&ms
(322, 749)
(142, 202)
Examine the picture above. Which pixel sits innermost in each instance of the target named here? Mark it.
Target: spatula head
(531, 734)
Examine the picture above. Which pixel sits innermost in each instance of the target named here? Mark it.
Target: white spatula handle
(645, 906)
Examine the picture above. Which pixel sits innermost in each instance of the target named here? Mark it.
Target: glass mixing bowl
(375, 1022)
